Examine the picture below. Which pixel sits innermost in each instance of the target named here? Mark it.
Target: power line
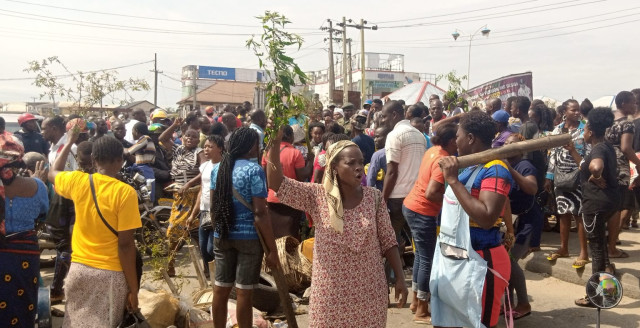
(142, 17)
(519, 40)
(503, 14)
(75, 22)
(451, 14)
(519, 28)
(88, 72)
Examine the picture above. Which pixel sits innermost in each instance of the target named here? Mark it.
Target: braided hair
(242, 141)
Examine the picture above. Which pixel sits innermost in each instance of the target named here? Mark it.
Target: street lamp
(484, 30)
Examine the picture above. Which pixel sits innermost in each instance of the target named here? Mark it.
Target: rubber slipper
(554, 256)
(585, 302)
(622, 255)
(421, 321)
(579, 264)
(517, 315)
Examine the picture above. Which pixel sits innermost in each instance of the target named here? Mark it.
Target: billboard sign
(503, 88)
(216, 73)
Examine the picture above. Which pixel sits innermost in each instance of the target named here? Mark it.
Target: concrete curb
(561, 269)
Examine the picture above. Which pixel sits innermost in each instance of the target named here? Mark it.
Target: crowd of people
(357, 180)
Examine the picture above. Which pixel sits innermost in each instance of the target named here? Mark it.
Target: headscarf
(332, 187)
(11, 151)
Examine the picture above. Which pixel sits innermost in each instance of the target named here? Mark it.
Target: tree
(455, 92)
(282, 72)
(87, 88)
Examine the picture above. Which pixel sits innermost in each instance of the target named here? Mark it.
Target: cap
(156, 128)
(26, 117)
(348, 105)
(331, 105)
(209, 110)
(501, 116)
(79, 123)
(159, 114)
(363, 112)
(339, 111)
(368, 102)
(359, 122)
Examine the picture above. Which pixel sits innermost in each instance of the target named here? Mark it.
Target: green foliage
(88, 89)
(456, 90)
(283, 73)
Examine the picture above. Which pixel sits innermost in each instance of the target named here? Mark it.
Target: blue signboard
(218, 73)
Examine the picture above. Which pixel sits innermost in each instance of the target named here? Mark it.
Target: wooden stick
(283, 289)
(514, 149)
(196, 264)
(169, 282)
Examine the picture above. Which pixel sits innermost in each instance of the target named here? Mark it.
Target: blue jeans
(423, 230)
(206, 245)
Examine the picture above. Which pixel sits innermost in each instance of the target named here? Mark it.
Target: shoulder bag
(566, 181)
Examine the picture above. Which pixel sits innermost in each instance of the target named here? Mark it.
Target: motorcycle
(151, 237)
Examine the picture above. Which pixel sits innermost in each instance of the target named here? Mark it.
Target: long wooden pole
(283, 289)
(514, 149)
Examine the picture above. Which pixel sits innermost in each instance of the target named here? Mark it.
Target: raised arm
(61, 159)
(165, 138)
(274, 167)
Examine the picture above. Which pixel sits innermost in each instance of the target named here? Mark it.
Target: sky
(575, 48)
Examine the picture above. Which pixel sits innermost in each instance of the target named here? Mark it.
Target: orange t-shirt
(429, 170)
(291, 159)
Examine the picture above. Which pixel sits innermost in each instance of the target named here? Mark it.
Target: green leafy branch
(456, 91)
(282, 72)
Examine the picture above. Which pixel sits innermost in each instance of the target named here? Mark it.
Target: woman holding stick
(484, 204)
(353, 234)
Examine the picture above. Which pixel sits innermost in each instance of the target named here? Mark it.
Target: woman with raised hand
(353, 235)
(240, 215)
(23, 201)
(103, 279)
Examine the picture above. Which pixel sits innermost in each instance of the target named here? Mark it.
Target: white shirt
(129, 128)
(205, 198)
(71, 164)
(405, 145)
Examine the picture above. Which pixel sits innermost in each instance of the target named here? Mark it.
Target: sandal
(579, 264)
(621, 255)
(585, 302)
(555, 255)
(517, 315)
(610, 269)
(422, 320)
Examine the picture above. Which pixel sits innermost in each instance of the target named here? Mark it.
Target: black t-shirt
(367, 146)
(636, 136)
(520, 201)
(529, 130)
(594, 199)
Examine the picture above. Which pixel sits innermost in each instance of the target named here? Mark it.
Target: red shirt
(291, 159)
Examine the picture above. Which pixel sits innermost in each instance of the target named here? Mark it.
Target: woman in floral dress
(353, 235)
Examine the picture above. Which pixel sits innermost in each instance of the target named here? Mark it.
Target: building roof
(224, 92)
(133, 105)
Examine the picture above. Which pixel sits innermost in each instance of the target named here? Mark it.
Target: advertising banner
(503, 88)
(217, 73)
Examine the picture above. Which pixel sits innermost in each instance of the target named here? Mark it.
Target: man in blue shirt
(366, 144)
(378, 165)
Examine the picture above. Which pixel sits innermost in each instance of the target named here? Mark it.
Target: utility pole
(195, 86)
(350, 76)
(155, 79)
(332, 75)
(345, 92)
(363, 85)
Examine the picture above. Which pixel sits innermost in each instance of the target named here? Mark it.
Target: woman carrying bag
(102, 279)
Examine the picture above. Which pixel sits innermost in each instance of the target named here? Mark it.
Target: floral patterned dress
(348, 288)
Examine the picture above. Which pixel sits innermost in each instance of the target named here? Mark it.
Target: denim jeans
(423, 230)
(206, 245)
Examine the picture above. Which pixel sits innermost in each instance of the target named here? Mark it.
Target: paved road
(551, 300)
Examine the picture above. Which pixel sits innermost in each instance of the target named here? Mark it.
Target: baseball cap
(26, 117)
(501, 116)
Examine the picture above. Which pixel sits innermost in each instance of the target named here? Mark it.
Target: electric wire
(87, 72)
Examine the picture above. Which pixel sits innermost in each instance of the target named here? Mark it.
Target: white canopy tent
(416, 92)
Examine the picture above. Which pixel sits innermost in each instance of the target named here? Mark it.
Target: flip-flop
(517, 315)
(579, 264)
(554, 256)
(426, 321)
(622, 255)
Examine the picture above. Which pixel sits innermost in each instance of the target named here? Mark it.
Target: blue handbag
(458, 272)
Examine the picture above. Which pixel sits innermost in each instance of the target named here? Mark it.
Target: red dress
(349, 287)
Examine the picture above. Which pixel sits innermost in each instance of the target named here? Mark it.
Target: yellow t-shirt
(92, 242)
